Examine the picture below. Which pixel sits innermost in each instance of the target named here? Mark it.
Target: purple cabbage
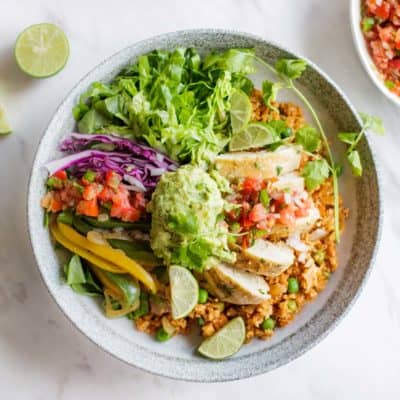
(140, 166)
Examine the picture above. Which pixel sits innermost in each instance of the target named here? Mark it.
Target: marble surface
(41, 355)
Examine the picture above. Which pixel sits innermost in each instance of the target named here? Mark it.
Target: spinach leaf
(309, 138)
(315, 173)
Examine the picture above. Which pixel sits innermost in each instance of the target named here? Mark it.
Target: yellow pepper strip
(111, 313)
(115, 256)
(87, 255)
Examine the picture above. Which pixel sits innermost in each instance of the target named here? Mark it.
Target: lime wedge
(5, 127)
(255, 135)
(41, 50)
(184, 291)
(226, 342)
(240, 110)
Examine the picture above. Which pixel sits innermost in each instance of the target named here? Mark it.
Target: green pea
(268, 324)
(200, 321)
(293, 285)
(287, 132)
(292, 305)
(162, 335)
(203, 296)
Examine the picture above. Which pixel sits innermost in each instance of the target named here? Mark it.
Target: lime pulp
(240, 111)
(255, 135)
(5, 127)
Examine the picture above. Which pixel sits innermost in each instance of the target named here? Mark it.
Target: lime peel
(240, 111)
(226, 342)
(41, 50)
(184, 291)
(5, 127)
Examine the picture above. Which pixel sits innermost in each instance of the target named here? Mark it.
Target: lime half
(41, 50)
(226, 342)
(240, 110)
(184, 291)
(255, 135)
(5, 127)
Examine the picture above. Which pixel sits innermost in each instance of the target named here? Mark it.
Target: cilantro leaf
(373, 123)
(309, 138)
(269, 92)
(290, 68)
(315, 173)
(348, 137)
(355, 162)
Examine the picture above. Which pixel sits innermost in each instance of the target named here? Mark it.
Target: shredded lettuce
(175, 101)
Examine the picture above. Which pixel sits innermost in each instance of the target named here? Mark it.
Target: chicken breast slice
(236, 286)
(291, 182)
(302, 224)
(266, 258)
(261, 164)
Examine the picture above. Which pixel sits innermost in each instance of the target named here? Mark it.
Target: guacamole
(186, 209)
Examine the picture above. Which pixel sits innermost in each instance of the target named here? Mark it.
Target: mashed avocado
(186, 208)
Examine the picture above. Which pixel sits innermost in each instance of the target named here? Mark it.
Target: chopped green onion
(367, 24)
(235, 227)
(200, 321)
(264, 198)
(90, 175)
(54, 183)
(390, 84)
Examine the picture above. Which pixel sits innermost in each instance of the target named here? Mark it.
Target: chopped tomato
(106, 194)
(245, 242)
(287, 216)
(252, 185)
(258, 213)
(395, 64)
(55, 205)
(301, 212)
(61, 175)
(90, 192)
(139, 201)
(89, 208)
(383, 11)
(112, 179)
(397, 39)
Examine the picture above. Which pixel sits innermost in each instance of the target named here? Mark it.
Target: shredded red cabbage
(140, 166)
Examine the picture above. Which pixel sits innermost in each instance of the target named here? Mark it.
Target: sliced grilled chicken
(302, 224)
(266, 258)
(235, 286)
(291, 182)
(261, 164)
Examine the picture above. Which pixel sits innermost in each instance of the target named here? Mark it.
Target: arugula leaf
(290, 68)
(269, 92)
(79, 278)
(373, 123)
(348, 137)
(355, 162)
(315, 173)
(309, 138)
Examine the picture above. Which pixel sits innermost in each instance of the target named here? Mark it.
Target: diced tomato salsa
(259, 208)
(381, 27)
(88, 197)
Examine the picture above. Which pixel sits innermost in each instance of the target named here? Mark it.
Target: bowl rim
(239, 373)
(363, 53)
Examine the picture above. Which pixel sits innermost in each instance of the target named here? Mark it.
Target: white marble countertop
(42, 356)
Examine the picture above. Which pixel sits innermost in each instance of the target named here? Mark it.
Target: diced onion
(295, 242)
(318, 234)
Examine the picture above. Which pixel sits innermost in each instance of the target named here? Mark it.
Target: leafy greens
(174, 100)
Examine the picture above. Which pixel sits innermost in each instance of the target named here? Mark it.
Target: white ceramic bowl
(177, 358)
(362, 50)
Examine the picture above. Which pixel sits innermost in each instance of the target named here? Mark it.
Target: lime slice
(240, 110)
(41, 50)
(226, 342)
(5, 127)
(184, 291)
(255, 135)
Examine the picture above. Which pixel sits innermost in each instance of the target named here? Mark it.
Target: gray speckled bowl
(177, 358)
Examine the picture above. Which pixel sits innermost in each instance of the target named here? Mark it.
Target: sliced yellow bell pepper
(87, 255)
(103, 278)
(117, 257)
